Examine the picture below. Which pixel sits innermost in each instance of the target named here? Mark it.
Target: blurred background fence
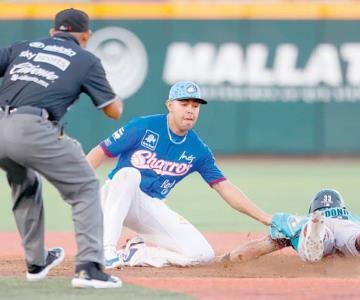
(281, 78)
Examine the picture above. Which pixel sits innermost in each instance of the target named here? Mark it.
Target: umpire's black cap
(72, 20)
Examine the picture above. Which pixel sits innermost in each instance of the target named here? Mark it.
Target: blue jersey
(162, 157)
(289, 226)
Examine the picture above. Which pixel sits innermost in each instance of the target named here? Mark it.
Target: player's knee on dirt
(201, 255)
(207, 256)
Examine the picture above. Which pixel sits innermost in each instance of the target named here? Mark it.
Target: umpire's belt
(26, 110)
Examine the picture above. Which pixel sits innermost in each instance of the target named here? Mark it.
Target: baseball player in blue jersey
(154, 154)
(328, 228)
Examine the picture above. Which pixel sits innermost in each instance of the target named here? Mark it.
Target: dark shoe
(90, 275)
(54, 258)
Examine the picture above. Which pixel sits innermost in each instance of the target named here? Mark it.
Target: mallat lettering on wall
(232, 72)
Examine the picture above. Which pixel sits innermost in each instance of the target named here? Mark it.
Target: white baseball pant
(177, 241)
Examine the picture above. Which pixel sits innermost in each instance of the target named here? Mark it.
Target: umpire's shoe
(55, 257)
(90, 275)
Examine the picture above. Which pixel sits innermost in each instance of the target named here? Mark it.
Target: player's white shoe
(112, 258)
(127, 256)
(313, 239)
(130, 254)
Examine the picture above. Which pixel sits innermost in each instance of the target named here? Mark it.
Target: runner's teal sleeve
(285, 225)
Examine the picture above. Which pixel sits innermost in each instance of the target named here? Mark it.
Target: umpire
(41, 80)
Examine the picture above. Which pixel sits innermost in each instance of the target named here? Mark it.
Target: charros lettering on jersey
(144, 159)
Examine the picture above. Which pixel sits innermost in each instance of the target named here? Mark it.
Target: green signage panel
(274, 87)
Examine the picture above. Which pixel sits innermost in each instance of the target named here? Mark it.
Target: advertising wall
(275, 85)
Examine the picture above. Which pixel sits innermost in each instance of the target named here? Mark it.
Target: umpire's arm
(238, 200)
(114, 110)
(101, 93)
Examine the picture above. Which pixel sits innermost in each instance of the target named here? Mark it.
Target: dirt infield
(276, 276)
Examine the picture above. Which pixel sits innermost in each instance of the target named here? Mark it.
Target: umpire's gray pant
(31, 145)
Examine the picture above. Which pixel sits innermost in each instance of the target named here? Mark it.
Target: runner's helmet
(326, 198)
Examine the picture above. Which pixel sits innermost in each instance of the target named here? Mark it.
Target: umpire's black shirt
(51, 73)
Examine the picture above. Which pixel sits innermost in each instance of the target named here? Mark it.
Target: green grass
(275, 185)
(59, 289)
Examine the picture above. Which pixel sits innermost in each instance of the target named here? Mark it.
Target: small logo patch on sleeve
(107, 142)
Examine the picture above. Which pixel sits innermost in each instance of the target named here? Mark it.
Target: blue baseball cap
(186, 90)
